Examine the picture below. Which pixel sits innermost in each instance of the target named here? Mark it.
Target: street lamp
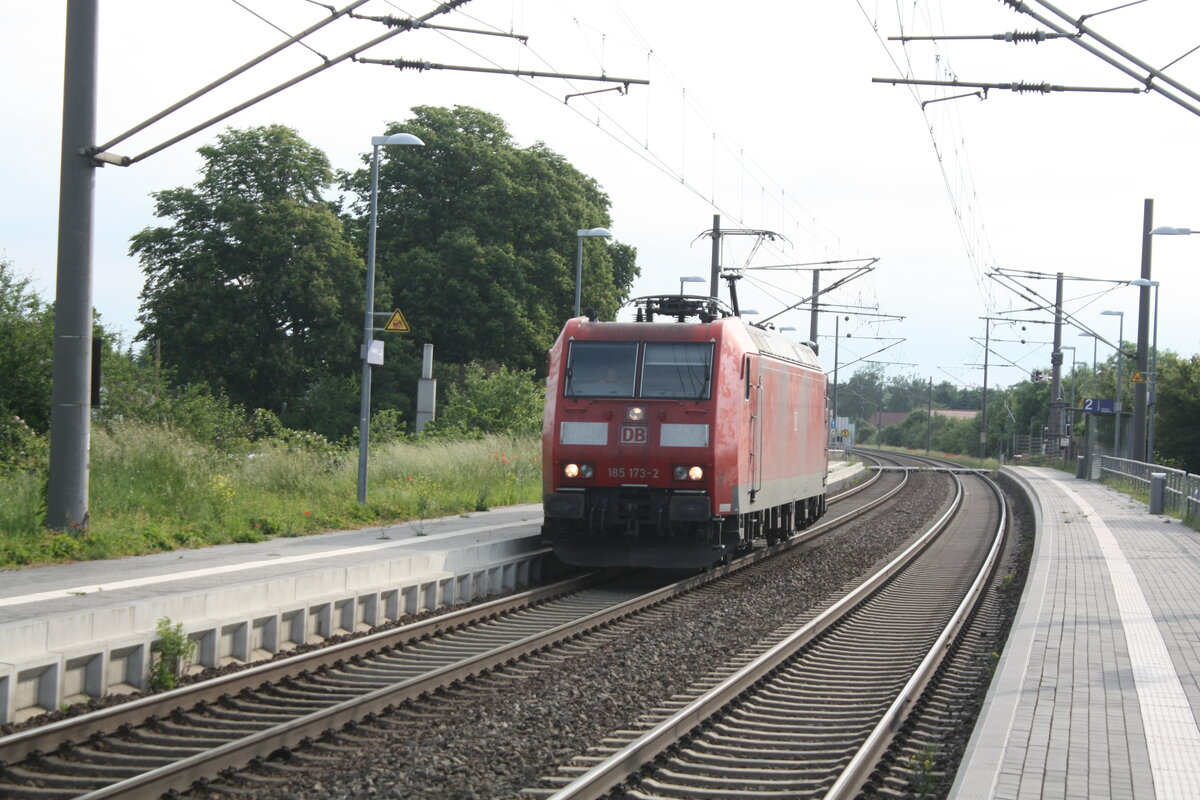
(690, 279)
(1138, 439)
(1092, 336)
(579, 259)
(364, 413)
(1117, 403)
(1153, 404)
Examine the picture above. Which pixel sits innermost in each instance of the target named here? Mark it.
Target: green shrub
(489, 403)
(21, 448)
(22, 511)
(169, 655)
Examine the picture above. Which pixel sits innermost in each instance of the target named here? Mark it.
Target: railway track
(165, 742)
(811, 711)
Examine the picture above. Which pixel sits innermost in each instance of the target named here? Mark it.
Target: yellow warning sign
(1138, 377)
(397, 324)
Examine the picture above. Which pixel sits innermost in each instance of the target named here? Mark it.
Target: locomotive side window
(601, 369)
(677, 370)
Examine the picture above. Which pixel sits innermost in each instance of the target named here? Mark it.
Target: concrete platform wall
(51, 662)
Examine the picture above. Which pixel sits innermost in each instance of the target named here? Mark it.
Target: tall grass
(153, 489)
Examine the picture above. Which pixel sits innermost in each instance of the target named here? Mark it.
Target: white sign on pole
(375, 354)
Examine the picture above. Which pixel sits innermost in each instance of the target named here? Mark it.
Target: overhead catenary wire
(229, 76)
(443, 8)
(1153, 78)
(963, 199)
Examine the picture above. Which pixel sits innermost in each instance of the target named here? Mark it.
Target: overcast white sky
(764, 112)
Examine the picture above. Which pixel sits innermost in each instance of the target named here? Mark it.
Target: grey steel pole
(364, 411)
(987, 347)
(929, 420)
(812, 319)
(1094, 384)
(1137, 428)
(1153, 404)
(1057, 415)
(578, 271)
(1120, 383)
(836, 340)
(70, 401)
(716, 258)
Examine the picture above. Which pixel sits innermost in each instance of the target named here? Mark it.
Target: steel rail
(17, 747)
(857, 772)
(618, 767)
(179, 775)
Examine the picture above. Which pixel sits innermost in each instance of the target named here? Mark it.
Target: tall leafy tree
(1176, 434)
(253, 286)
(477, 239)
(26, 350)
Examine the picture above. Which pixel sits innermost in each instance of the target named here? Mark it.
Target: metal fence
(1181, 497)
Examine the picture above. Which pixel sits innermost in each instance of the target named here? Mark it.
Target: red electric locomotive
(676, 444)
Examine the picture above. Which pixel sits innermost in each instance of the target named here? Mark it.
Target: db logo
(634, 434)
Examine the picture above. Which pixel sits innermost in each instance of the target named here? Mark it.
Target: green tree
(861, 396)
(253, 288)
(477, 239)
(26, 351)
(497, 401)
(1176, 434)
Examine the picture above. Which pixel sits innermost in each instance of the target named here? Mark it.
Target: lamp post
(1120, 389)
(581, 235)
(1138, 430)
(1153, 403)
(690, 279)
(364, 414)
(836, 339)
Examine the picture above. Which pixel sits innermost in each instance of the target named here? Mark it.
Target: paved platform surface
(1096, 694)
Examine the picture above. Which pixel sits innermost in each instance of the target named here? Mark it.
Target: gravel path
(486, 742)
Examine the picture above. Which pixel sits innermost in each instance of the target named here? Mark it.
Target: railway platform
(1097, 692)
(73, 631)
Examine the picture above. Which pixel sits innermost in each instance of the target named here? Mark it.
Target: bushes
(170, 655)
(500, 402)
(21, 448)
(154, 488)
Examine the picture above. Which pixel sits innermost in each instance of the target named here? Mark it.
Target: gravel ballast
(492, 739)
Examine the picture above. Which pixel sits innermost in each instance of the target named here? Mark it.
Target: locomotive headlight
(693, 473)
(635, 413)
(578, 471)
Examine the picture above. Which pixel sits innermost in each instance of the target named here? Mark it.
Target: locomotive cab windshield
(670, 370)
